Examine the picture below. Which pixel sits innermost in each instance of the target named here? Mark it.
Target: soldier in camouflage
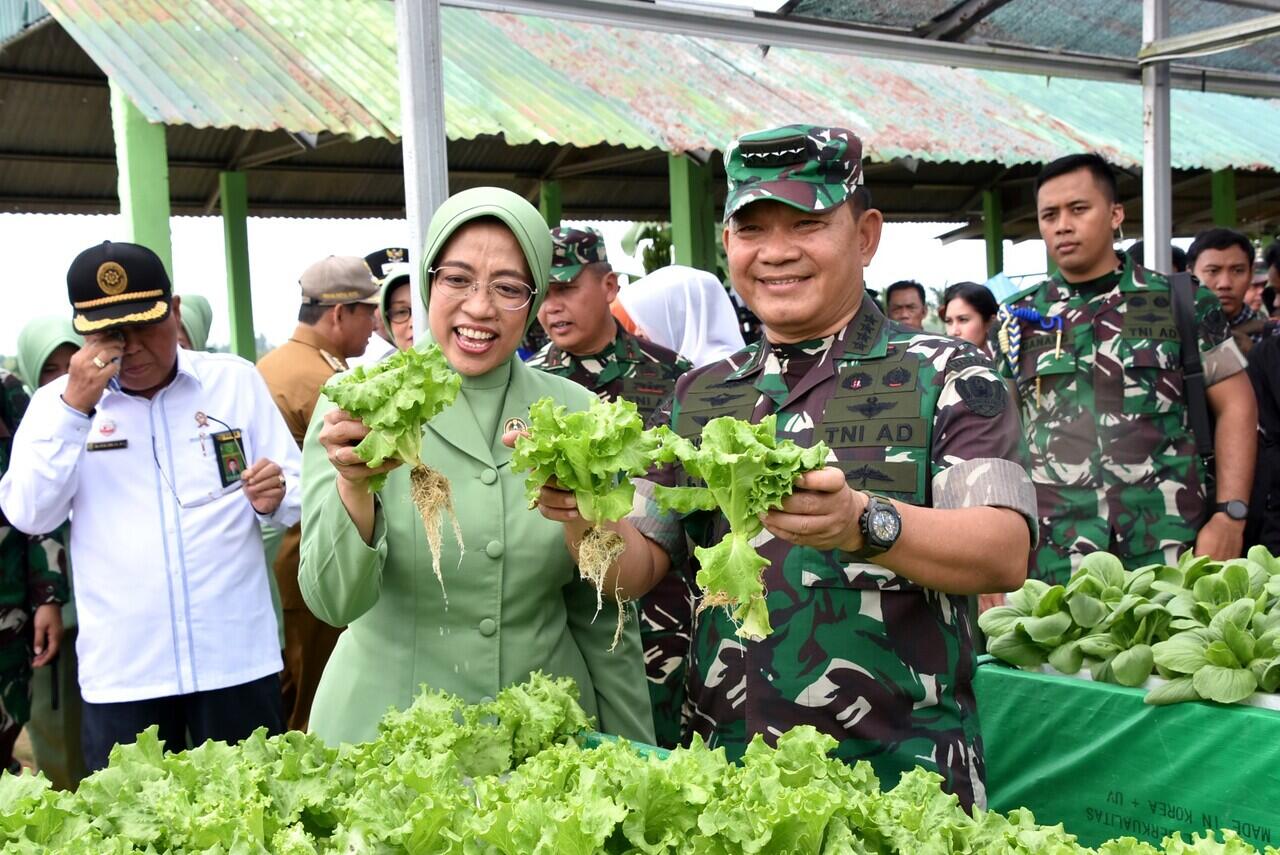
(925, 498)
(1095, 354)
(33, 587)
(591, 348)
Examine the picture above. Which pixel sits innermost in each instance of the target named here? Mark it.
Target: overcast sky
(36, 249)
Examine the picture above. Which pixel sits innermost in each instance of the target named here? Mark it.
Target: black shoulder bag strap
(1181, 287)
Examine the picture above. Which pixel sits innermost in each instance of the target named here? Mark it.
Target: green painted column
(993, 230)
(1224, 199)
(693, 218)
(234, 194)
(143, 185)
(549, 204)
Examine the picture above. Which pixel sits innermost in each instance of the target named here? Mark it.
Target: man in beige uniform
(339, 299)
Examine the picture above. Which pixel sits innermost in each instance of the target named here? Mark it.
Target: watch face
(1237, 509)
(884, 526)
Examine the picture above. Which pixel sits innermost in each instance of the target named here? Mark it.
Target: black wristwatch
(880, 525)
(1235, 509)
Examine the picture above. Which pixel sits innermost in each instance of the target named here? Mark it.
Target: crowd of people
(233, 569)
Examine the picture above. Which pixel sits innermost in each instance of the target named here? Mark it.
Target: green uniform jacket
(515, 603)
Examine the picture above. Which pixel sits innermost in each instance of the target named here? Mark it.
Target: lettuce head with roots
(746, 471)
(395, 399)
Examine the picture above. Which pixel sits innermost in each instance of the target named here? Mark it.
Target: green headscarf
(197, 317)
(523, 219)
(37, 342)
(397, 275)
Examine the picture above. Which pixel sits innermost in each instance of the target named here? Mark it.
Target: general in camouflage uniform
(32, 574)
(873, 658)
(1098, 371)
(577, 317)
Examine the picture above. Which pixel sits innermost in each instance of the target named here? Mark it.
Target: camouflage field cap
(574, 249)
(804, 166)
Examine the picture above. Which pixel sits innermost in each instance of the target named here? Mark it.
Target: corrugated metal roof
(18, 15)
(329, 65)
(1110, 28)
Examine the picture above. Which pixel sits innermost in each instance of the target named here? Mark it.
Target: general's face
(1078, 224)
(1227, 273)
(58, 363)
(964, 321)
(475, 334)
(576, 314)
(800, 272)
(400, 313)
(906, 307)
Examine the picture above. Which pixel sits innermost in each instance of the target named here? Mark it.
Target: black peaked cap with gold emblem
(115, 285)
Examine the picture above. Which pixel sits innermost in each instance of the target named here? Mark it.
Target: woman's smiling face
(476, 334)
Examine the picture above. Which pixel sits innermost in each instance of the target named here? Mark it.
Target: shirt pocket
(1152, 377)
(199, 477)
(1046, 379)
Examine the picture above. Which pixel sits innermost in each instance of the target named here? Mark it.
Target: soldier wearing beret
(1096, 354)
(168, 459)
(924, 501)
(589, 347)
(339, 301)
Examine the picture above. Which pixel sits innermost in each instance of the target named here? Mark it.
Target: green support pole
(693, 219)
(993, 230)
(233, 191)
(1224, 199)
(549, 204)
(143, 184)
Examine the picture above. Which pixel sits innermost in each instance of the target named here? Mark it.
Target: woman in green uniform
(515, 601)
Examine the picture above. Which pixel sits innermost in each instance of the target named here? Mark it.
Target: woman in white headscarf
(686, 310)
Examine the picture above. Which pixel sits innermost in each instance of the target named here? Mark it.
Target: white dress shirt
(171, 583)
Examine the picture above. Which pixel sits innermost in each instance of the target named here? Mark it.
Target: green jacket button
(493, 549)
(488, 627)
(488, 476)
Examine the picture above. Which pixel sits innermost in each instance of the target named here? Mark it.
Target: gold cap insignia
(395, 255)
(111, 278)
(514, 424)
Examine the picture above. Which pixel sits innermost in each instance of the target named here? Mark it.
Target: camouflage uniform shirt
(642, 372)
(1112, 458)
(859, 652)
(645, 374)
(32, 574)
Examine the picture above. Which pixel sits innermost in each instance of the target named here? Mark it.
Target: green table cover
(1097, 759)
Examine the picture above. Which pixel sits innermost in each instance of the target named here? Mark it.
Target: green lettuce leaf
(593, 452)
(746, 471)
(395, 399)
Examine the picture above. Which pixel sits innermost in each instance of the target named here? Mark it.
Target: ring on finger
(281, 477)
(98, 363)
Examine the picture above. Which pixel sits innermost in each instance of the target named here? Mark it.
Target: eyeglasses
(400, 315)
(508, 294)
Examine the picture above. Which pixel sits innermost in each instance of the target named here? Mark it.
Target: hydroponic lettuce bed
(511, 776)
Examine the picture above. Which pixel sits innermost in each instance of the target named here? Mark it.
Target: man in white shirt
(148, 448)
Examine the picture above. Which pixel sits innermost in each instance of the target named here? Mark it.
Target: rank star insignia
(514, 424)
